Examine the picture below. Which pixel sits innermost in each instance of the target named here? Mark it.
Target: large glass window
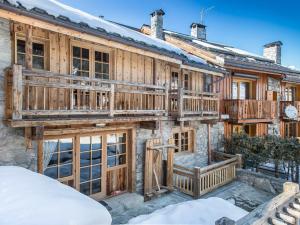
(90, 164)
(81, 61)
(240, 90)
(174, 80)
(60, 158)
(21, 54)
(289, 94)
(116, 149)
(101, 65)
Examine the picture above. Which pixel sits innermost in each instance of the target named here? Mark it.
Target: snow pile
(29, 198)
(202, 211)
(56, 8)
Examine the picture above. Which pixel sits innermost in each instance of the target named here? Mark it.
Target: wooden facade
(81, 99)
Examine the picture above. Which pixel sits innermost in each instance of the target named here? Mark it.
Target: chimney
(157, 24)
(198, 31)
(273, 51)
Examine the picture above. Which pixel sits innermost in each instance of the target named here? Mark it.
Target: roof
(60, 14)
(236, 57)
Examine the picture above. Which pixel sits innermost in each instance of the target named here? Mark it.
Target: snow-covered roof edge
(60, 16)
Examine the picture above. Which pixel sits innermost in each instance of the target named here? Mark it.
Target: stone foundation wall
(261, 181)
(12, 148)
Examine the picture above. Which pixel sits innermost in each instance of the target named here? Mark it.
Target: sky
(246, 24)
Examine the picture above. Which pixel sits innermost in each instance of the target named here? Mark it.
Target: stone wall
(261, 181)
(274, 85)
(12, 148)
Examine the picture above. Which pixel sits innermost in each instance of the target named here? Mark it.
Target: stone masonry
(12, 148)
(273, 51)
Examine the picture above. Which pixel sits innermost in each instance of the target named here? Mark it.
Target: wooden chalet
(94, 97)
(251, 90)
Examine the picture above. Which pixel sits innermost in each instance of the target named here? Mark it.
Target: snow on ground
(201, 211)
(56, 8)
(29, 198)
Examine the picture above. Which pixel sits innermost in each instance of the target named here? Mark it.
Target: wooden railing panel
(42, 93)
(199, 181)
(250, 109)
(284, 104)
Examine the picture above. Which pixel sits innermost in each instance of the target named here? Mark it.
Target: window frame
(211, 89)
(239, 81)
(38, 40)
(190, 140)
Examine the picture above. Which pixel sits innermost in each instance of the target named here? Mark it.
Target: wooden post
(170, 162)
(28, 138)
(197, 173)
(28, 47)
(111, 100)
(39, 133)
(132, 161)
(208, 144)
(239, 160)
(17, 89)
(180, 103)
(166, 98)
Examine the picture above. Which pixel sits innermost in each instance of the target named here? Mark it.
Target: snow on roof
(201, 211)
(29, 198)
(56, 8)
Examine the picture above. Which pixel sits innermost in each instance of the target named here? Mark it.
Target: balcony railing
(284, 104)
(39, 93)
(250, 109)
(185, 103)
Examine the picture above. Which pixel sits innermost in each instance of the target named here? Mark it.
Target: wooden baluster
(111, 100)
(180, 102)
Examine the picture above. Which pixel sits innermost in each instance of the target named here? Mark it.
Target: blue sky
(247, 24)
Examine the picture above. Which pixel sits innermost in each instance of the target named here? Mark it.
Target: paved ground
(129, 205)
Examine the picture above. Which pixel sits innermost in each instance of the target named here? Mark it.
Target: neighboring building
(251, 90)
(81, 97)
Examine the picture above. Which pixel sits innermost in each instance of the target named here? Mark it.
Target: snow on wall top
(29, 198)
(56, 8)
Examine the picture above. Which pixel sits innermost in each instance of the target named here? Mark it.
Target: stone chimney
(157, 24)
(273, 51)
(198, 31)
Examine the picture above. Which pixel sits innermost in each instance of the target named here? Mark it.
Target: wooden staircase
(289, 214)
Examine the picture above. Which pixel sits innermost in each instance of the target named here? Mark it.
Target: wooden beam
(17, 89)
(150, 125)
(208, 144)
(28, 47)
(39, 135)
(28, 138)
(132, 161)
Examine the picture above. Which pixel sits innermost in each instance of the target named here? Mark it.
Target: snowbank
(202, 211)
(29, 198)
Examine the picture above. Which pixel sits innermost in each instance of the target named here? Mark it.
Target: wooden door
(117, 161)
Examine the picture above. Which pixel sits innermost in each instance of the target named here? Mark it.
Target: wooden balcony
(37, 98)
(189, 105)
(250, 111)
(284, 104)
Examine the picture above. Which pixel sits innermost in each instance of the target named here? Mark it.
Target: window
(186, 82)
(101, 65)
(116, 150)
(90, 164)
(60, 160)
(184, 141)
(240, 90)
(38, 54)
(289, 94)
(207, 83)
(174, 80)
(81, 62)
(249, 129)
(21, 54)
(290, 129)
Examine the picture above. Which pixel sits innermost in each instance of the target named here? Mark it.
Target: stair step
(292, 212)
(276, 221)
(286, 218)
(295, 205)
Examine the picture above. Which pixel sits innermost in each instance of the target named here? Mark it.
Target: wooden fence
(199, 181)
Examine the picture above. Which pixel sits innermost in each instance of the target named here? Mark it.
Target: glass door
(91, 165)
